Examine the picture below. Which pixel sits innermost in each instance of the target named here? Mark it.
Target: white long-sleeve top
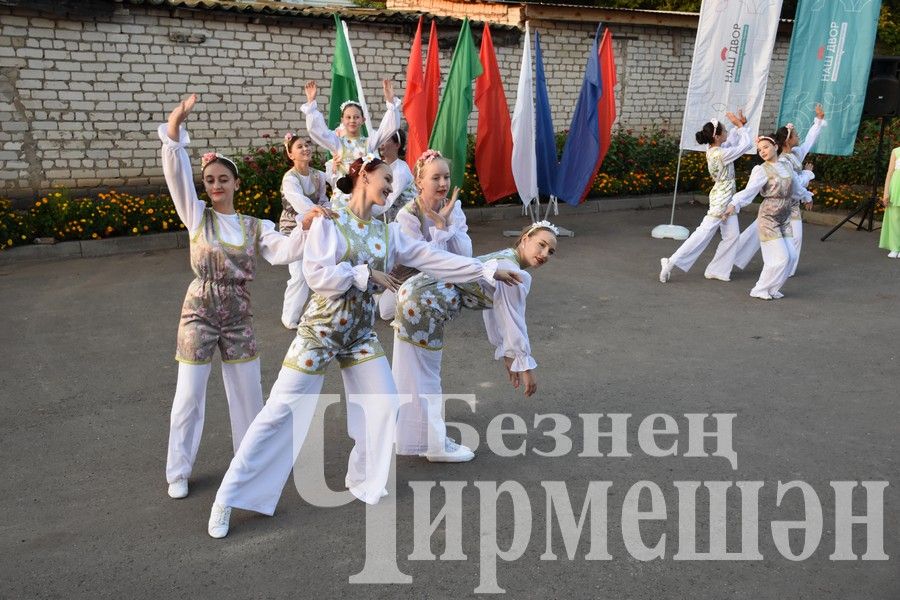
(330, 276)
(798, 153)
(455, 238)
(759, 178)
(275, 247)
(292, 189)
(735, 146)
(505, 322)
(328, 139)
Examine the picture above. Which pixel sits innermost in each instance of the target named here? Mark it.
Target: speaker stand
(867, 207)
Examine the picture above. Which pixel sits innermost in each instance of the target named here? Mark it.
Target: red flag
(414, 104)
(606, 105)
(432, 78)
(493, 143)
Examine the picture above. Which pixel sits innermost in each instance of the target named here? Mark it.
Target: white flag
(730, 67)
(524, 155)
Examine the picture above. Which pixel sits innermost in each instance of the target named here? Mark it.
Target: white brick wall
(80, 100)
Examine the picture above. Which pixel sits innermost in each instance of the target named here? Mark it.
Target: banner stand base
(676, 232)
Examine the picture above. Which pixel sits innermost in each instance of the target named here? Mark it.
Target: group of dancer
(413, 266)
(781, 179)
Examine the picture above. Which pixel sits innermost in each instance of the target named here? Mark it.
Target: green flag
(449, 134)
(344, 78)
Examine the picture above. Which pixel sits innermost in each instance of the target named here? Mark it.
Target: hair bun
(345, 184)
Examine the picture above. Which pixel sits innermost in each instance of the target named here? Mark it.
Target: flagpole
(359, 86)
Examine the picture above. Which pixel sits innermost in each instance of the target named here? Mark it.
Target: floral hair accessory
(543, 225)
(211, 156)
(367, 159)
(789, 126)
(715, 124)
(760, 138)
(429, 155)
(290, 135)
(347, 103)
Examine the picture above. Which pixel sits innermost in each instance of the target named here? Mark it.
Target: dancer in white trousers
(777, 183)
(346, 260)
(426, 305)
(347, 143)
(216, 310)
(723, 150)
(429, 218)
(302, 188)
(792, 154)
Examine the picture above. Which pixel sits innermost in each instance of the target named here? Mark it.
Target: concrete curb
(179, 239)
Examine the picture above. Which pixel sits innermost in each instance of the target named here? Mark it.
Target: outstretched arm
(177, 165)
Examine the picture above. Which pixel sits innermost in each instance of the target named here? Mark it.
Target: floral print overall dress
(342, 328)
(774, 220)
(216, 309)
(288, 219)
(425, 305)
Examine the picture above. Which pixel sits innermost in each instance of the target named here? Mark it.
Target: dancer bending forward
(425, 305)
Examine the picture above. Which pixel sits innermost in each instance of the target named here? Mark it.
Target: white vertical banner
(730, 68)
(524, 153)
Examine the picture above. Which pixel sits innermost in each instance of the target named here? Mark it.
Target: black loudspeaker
(883, 92)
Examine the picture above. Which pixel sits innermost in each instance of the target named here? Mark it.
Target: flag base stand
(676, 232)
(533, 209)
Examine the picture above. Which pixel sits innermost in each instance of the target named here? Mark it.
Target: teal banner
(828, 63)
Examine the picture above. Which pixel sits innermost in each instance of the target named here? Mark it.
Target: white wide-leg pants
(420, 425)
(747, 246)
(720, 266)
(261, 466)
(797, 227)
(779, 257)
(295, 295)
(243, 389)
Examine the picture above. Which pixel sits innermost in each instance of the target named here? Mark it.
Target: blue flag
(828, 63)
(582, 150)
(545, 137)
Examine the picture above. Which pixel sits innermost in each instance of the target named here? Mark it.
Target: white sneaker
(219, 517)
(452, 453)
(777, 295)
(760, 295)
(711, 276)
(893, 254)
(289, 325)
(178, 489)
(665, 270)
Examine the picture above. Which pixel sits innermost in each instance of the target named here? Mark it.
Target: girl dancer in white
(393, 152)
(347, 143)
(792, 154)
(302, 188)
(346, 261)
(777, 183)
(723, 150)
(216, 310)
(424, 308)
(430, 218)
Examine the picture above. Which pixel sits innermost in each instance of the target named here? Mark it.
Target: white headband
(543, 225)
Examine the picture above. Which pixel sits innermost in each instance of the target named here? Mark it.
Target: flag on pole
(414, 102)
(828, 63)
(607, 108)
(450, 133)
(579, 158)
(345, 82)
(432, 78)
(524, 161)
(545, 152)
(493, 142)
(730, 66)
